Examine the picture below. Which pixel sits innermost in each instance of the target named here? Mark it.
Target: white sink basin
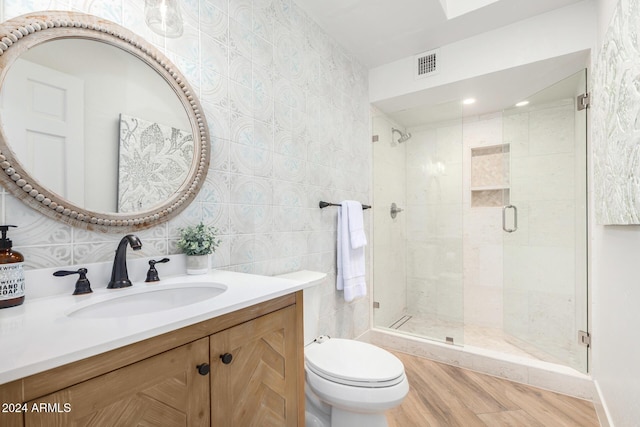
(149, 300)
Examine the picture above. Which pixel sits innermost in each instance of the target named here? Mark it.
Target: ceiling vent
(426, 64)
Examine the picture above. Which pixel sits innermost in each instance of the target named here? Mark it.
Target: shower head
(403, 136)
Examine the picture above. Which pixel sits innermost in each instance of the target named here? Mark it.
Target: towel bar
(325, 204)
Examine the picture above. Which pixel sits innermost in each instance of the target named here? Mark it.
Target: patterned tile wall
(289, 116)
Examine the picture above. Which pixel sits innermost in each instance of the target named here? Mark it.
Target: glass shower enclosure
(490, 248)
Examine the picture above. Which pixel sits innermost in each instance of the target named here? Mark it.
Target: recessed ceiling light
(469, 101)
(522, 103)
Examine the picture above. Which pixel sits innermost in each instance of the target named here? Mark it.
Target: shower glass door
(418, 253)
(545, 224)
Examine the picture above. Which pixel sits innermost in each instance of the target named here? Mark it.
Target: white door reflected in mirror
(66, 99)
(51, 133)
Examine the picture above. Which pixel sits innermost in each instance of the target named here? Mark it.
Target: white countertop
(39, 335)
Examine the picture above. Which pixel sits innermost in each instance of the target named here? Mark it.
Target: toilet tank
(311, 301)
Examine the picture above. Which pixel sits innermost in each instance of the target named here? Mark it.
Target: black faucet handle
(152, 274)
(82, 284)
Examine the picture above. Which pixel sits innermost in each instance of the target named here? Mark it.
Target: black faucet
(119, 274)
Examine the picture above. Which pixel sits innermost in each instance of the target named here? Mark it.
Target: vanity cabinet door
(163, 390)
(254, 372)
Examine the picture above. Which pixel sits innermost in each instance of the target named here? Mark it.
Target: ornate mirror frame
(24, 32)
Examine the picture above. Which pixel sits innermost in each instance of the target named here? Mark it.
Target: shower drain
(401, 321)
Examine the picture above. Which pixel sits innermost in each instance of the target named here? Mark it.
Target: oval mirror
(99, 129)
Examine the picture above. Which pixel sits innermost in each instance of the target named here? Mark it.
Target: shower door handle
(504, 218)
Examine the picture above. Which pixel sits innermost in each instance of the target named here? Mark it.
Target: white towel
(356, 224)
(350, 260)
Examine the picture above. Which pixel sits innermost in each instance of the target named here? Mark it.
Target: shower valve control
(394, 210)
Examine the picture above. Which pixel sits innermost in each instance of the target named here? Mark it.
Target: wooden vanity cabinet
(254, 377)
(163, 390)
(254, 373)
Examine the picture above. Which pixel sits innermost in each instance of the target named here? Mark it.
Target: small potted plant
(198, 242)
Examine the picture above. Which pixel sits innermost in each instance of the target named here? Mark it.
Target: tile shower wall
(482, 230)
(434, 226)
(539, 306)
(507, 280)
(541, 145)
(288, 113)
(456, 251)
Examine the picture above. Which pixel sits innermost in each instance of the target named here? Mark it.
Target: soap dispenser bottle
(11, 272)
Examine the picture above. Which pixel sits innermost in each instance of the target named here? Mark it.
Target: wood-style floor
(444, 395)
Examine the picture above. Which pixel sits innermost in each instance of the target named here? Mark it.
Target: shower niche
(490, 176)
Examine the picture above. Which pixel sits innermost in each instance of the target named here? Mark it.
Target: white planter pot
(197, 264)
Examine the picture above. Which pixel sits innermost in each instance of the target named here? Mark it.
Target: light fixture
(163, 17)
(522, 103)
(469, 101)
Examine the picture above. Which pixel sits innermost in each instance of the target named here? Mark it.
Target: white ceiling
(492, 92)
(377, 32)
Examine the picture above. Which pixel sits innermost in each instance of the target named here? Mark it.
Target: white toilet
(351, 383)
(348, 383)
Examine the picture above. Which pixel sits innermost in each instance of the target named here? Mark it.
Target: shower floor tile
(471, 335)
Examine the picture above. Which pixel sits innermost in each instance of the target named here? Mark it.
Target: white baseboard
(601, 407)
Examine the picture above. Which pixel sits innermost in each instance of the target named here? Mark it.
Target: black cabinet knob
(226, 358)
(203, 369)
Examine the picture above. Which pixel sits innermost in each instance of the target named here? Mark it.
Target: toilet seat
(354, 363)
